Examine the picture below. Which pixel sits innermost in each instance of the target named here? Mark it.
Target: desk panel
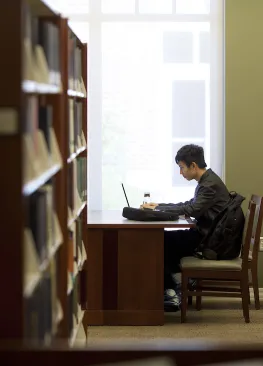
(125, 277)
(125, 269)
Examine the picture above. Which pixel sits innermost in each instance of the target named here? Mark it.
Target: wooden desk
(125, 269)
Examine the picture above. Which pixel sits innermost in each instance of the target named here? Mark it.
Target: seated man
(211, 196)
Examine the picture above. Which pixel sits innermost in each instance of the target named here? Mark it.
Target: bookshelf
(76, 161)
(43, 189)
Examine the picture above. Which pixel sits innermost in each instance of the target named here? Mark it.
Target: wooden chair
(253, 256)
(252, 259)
(233, 270)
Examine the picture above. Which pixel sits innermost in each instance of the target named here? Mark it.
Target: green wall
(244, 98)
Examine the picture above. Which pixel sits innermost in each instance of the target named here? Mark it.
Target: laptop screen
(125, 195)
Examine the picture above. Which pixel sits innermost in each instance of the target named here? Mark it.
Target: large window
(155, 84)
(69, 8)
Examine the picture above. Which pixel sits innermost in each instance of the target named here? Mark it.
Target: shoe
(169, 294)
(177, 278)
(172, 300)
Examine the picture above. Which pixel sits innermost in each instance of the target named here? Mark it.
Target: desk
(125, 269)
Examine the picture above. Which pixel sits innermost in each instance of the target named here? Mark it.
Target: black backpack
(138, 214)
(224, 239)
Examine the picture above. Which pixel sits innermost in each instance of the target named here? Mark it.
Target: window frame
(95, 18)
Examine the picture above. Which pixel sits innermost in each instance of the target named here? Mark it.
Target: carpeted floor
(220, 320)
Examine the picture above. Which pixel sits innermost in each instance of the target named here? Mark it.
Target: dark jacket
(211, 197)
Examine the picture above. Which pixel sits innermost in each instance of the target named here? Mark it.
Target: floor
(221, 320)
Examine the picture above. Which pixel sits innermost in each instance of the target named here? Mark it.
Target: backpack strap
(213, 226)
(198, 255)
(206, 254)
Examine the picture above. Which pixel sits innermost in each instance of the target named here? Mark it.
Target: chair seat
(201, 264)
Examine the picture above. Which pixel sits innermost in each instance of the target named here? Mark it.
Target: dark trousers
(178, 244)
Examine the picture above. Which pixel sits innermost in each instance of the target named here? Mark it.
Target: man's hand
(150, 205)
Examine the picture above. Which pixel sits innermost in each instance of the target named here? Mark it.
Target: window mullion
(174, 7)
(137, 7)
(95, 7)
(95, 111)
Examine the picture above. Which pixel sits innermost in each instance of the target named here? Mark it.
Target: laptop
(146, 209)
(137, 214)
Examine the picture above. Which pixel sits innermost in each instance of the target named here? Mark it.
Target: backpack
(224, 238)
(138, 214)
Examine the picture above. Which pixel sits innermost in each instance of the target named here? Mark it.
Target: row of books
(76, 259)
(81, 177)
(74, 64)
(41, 151)
(77, 184)
(76, 250)
(75, 313)
(42, 51)
(76, 137)
(43, 310)
(42, 220)
(38, 117)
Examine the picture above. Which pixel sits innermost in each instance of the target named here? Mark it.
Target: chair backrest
(247, 234)
(258, 219)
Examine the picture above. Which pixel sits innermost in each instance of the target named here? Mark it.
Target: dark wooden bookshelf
(76, 161)
(43, 187)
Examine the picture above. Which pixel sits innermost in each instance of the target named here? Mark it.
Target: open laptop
(136, 214)
(146, 209)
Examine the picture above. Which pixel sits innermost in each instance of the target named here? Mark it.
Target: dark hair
(191, 154)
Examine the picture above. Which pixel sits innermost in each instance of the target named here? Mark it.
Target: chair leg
(184, 297)
(248, 293)
(254, 273)
(244, 286)
(198, 304)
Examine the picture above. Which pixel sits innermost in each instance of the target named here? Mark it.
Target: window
(69, 7)
(156, 6)
(118, 6)
(193, 6)
(155, 84)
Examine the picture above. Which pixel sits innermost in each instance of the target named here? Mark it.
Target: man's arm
(195, 207)
(165, 206)
(175, 204)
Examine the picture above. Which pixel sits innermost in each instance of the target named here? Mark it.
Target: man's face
(187, 172)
